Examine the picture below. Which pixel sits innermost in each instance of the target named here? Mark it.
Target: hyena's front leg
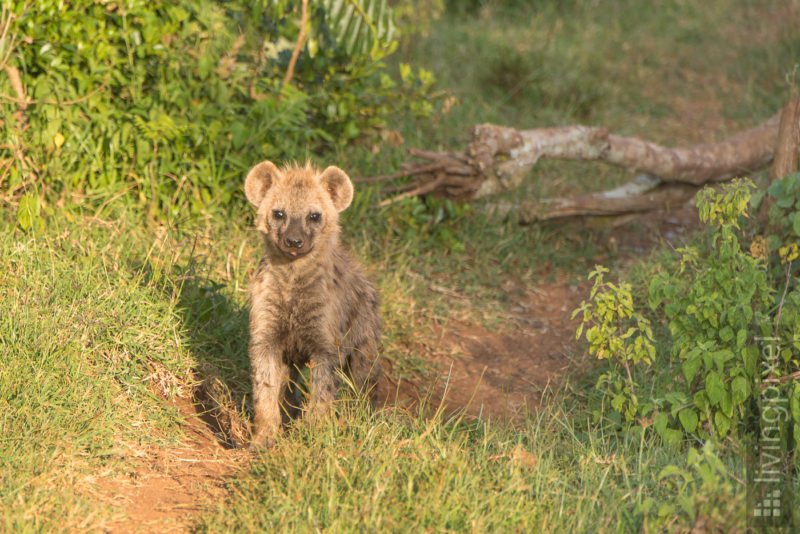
(324, 383)
(270, 376)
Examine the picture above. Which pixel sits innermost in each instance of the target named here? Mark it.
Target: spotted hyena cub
(310, 303)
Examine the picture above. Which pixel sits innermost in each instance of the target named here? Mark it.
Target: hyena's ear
(259, 180)
(338, 185)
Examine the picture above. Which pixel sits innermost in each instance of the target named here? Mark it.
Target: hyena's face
(298, 207)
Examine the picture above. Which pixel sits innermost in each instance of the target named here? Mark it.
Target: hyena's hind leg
(365, 371)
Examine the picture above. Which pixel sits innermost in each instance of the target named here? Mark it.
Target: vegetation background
(127, 128)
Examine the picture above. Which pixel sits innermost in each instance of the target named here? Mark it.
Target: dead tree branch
(301, 40)
(499, 158)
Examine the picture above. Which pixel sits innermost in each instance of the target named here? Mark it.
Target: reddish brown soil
(502, 371)
(169, 487)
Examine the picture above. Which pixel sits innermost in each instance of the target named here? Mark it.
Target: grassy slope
(96, 319)
(87, 344)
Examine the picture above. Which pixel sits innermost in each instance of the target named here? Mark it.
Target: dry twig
(301, 39)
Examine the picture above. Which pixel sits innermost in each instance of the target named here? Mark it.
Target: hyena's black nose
(293, 243)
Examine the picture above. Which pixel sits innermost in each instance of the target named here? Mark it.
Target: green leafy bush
(719, 302)
(716, 305)
(169, 102)
(784, 217)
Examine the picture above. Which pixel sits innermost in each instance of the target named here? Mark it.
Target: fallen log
(499, 158)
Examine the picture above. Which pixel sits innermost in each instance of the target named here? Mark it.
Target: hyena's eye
(315, 217)
(278, 214)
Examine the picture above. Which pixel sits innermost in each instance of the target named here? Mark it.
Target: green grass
(399, 472)
(102, 321)
(105, 312)
(88, 352)
(617, 64)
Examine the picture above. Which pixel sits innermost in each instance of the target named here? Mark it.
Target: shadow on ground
(217, 336)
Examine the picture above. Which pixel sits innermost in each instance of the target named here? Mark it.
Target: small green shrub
(716, 304)
(719, 301)
(618, 333)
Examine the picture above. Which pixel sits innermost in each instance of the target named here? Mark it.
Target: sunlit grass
(394, 471)
(104, 314)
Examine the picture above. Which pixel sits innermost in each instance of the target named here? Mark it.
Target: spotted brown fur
(310, 302)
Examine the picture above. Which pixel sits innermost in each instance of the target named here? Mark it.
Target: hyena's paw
(264, 438)
(319, 411)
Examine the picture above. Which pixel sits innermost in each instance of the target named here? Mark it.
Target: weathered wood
(699, 164)
(787, 148)
(499, 159)
(664, 196)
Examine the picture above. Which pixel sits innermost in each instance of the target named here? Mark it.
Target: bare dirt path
(169, 487)
(500, 371)
(504, 371)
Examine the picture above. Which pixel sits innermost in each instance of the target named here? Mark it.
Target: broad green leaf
(741, 338)
(726, 334)
(688, 418)
(784, 202)
(740, 390)
(715, 388)
(725, 405)
(723, 424)
(750, 358)
(701, 400)
(720, 357)
(690, 368)
(660, 422)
